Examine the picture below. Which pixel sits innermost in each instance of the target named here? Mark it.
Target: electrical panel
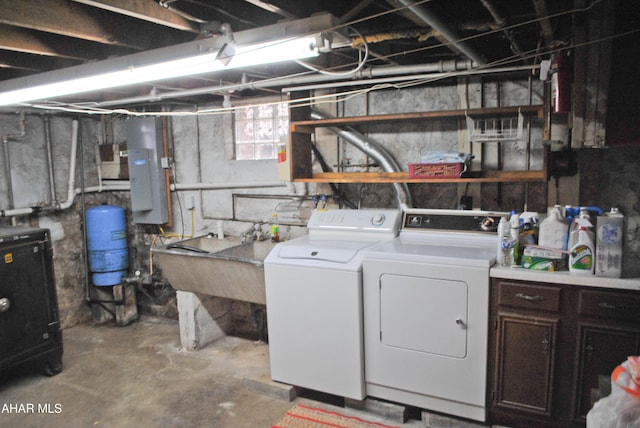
(145, 153)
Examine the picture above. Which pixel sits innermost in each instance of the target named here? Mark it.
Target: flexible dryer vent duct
(374, 150)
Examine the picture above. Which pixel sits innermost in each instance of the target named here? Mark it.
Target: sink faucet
(254, 233)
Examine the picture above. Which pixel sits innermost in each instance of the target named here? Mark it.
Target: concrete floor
(139, 376)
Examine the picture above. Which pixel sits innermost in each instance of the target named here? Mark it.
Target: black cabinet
(29, 321)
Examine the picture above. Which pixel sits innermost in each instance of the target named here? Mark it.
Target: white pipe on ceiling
(307, 79)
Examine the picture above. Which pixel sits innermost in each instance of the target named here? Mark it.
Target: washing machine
(314, 300)
(426, 306)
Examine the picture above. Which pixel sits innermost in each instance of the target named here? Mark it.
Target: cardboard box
(437, 170)
(542, 263)
(547, 253)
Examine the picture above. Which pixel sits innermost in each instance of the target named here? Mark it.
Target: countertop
(564, 277)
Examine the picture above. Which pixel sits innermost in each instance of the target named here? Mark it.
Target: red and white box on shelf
(437, 170)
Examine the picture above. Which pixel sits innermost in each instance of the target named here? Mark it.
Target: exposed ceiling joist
(145, 10)
(272, 8)
(38, 43)
(78, 21)
(52, 35)
(540, 7)
(26, 62)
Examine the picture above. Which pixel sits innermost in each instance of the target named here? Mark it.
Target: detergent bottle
(554, 230)
(609, 250)
(582, 255)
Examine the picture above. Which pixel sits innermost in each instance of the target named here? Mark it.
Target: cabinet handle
(5, 304)
(589, 350)
(536, 298)
(606, 305)
(545, 343)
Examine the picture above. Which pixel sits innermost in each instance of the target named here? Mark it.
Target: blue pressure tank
(107, 244)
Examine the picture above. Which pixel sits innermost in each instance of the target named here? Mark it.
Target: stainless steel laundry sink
(217, 267)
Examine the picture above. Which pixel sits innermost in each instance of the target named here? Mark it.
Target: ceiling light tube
(129, 74)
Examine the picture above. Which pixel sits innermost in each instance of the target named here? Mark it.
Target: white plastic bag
(621, 409)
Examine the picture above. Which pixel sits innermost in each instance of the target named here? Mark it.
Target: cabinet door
(600, 349)
(525, 362)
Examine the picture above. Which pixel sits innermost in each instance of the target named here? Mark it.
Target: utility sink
(217, 267)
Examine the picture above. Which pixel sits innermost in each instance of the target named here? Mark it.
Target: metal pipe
(513, 43)
(15, 212)
(424, 13)
(7, 162)
(7, 171)
(440, 66)
(71, 190)
(315, 80)
(374, 150)
(397, 79)
(52, 177)
(124, 187)
(220, 186)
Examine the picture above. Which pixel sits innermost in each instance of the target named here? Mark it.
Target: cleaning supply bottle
(515, 237)
(610, 231)
(583, 214)
(554, 230)
(582, 254)
(505, 245)
(275, 228)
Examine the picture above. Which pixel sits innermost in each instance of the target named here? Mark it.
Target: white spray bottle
(582, 254)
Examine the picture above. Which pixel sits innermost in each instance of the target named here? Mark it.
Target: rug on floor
(301, 416)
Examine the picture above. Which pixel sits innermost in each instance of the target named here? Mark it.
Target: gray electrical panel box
(146, 175)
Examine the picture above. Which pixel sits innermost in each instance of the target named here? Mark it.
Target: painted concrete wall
(203, 153)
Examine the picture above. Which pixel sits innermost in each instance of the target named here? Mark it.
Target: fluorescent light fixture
(229, 56)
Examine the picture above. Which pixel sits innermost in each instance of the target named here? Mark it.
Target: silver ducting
(374, 150)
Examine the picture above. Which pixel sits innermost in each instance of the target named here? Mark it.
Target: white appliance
(314, 300)
(426, 306)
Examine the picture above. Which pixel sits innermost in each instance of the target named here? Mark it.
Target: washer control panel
(365, 220)
(452, 220)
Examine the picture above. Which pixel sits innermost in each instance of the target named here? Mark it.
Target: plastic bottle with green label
(582, 255)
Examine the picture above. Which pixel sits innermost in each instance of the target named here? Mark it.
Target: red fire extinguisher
(561, 83)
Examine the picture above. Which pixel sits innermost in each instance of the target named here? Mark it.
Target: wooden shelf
(403, 177)
(300, 148)
(307, 126)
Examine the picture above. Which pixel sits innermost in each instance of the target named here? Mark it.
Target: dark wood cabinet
(608, 330)
(601, 349)
(526, 346)
(552, 346)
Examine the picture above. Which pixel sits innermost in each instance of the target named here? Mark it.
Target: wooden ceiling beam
(67, 18)
(21, 40)
(27, 62)
(145, 10)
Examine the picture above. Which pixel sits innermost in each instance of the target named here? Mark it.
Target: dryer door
(424, 314)
(425, 333)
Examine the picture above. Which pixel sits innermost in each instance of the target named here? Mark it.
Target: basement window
(259, 128)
